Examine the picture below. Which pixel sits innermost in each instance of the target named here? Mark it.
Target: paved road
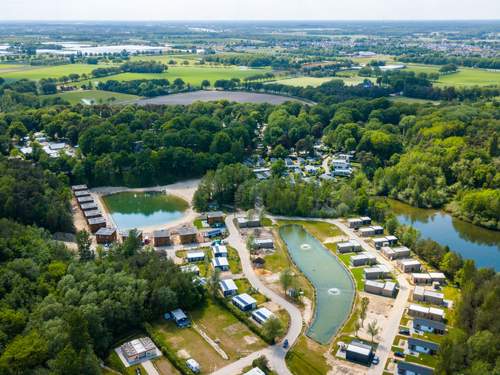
(275, 353)
(150, 368)
(390, 329)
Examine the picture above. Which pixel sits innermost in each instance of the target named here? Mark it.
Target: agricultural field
(93, 97)
(193, 75)
(179, 59)
(38, 72)
(316, 81)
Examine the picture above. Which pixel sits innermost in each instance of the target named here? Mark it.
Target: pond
(210, 95)
(471, 241)
(332, 282)
(145, 209)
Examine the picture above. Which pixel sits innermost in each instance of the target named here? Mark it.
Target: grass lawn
(219, 324)
(234, 260)
(422, 359)
(190, 74)
(114, 362)
(404, 99)
(39, 72)
(304, 81)
(197, 223)
(307, 358)
(245, 287)
(96, 96)
(164, 366)
(266, 222)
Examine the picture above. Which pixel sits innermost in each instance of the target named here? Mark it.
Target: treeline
(142, 87)
(138, 146)
(21, 94)
(441, 59)
(253, 60)
(130, 67)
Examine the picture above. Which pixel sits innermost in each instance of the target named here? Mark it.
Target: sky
(165, 10)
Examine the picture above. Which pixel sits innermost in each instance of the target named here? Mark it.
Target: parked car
(285, 344)
(375, 360)
(399, 354)
(404, 331)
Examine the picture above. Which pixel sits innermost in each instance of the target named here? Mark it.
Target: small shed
(262, 315)
(244, 302)
(215, 217)
(195, 256)
(105, 235)
(359, 352)
(161, 238)
(220, 263)
(96, 223)
(187, 235)
(228, 287)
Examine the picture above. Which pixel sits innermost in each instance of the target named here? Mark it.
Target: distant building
(124, 234)
(79, 187)
(262, 315)
(220, 263)
(386, 289)
(82, 193)
(105, 235)
(355, 223)
(377, 272)
(161, 238)
(228, 287)
(244, 222)
(139, 349)
(421, 279)
(359, 352)
(395, 252)
(244, 302)
(422, 295)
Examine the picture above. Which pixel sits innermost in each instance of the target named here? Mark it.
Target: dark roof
(215, 214)
(89, 213)
(184, 231)
(79, 187)
(126, 233)
(423, 343)
(415, 368)
(105, 231)
(87, 198)
(429, 323)
(259, 260)
(97, 220)
(161, 233)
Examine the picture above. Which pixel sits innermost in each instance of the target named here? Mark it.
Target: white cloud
(247, 9)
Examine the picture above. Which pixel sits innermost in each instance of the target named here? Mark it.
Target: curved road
(275, 353)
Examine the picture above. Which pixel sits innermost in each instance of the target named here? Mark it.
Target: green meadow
(39, 72)
(315, 81)
(95, 96)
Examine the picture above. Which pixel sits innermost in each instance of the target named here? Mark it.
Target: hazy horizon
(257, 10)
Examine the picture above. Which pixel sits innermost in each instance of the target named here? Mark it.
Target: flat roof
(366, 229)
(365, 218)
(95, 212)
(424, 343)
(264, 240)
(97, 220)
(421, 276)
(434, 294)
(410, 262)
(219, 249)
(436, 311)
(255, 371)
(215, 214)
(419, 308)
(429, 323)
(263, 313)
(162, 233)
(227, 285)
(392, 238)
(356, 220)
(374, 283)
(400, 249)
(178, 314)
(184, 231)
(437, 275)
(360, 348)
(220, 262)
(377, 227)
(380, 239)
(415, 368)
(363, 256)
(195, 254)
(244, 299)
(389, 285)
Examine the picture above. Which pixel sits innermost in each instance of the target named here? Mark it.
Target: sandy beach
(183, 189)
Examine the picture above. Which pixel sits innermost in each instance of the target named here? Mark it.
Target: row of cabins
(90, 209)
(357, 223)
(245, 222)
(393, 253)
(371, 231)
(428, 278)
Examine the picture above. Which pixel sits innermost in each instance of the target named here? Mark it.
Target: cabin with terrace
(228, 287)
(355, 223)
(97, 223)
(105, 235)
(83, 200)
(82, 193)
(215, 217)
(92, 214)
(187, 235)
(244, 302)
(427, 325)
(422, 346)
(220, 263)
(125, 234)
(161, 238)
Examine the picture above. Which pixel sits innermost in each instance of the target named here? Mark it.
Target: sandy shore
(183, 189)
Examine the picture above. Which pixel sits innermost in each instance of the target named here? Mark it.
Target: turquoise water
(333, 284)
(471, 241)
(138, 210)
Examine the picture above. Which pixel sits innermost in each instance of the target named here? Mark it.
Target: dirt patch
(339, 367)
(232, 329)
(307, 314)
(250, 340)
(183, 353)
(378, 311)
(336, 239)
(272, 306)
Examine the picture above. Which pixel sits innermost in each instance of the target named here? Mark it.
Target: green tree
(373, 329)
(278, 168)
(273, 328)
(286, 279)
(84, 243)
(364, 309)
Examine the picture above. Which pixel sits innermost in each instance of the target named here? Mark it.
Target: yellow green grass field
(39, 72)
(316, 81)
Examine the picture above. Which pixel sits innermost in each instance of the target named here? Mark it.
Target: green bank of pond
(144, 209)
(471, 241)
(335, 290)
